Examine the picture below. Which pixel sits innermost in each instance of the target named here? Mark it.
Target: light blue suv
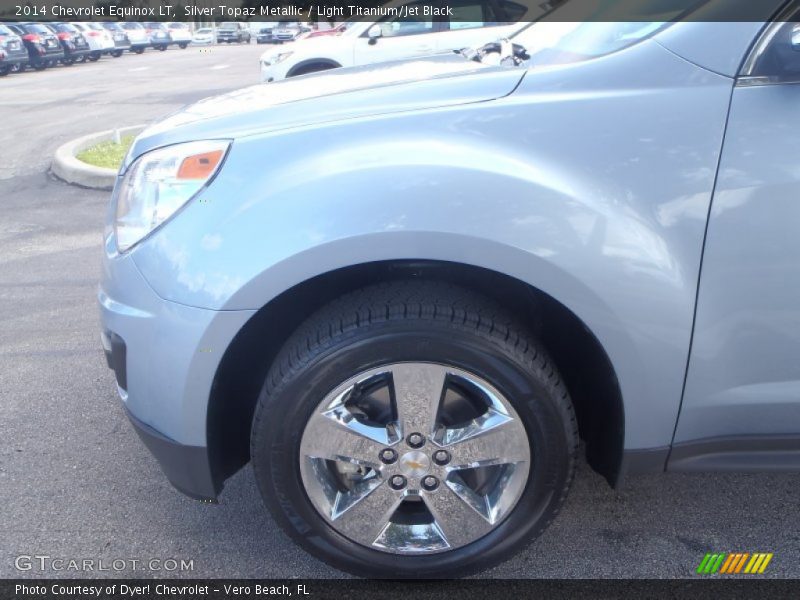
(406, 291)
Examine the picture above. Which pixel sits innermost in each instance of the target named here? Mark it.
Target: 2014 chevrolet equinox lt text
(405, 291)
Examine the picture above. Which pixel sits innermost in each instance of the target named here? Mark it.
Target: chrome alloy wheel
(414, 458)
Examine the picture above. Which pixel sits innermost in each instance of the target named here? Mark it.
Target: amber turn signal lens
(199, 166)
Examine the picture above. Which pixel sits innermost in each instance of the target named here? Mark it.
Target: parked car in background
(430, 278)
(203, 36)
(180, 33)
(231, 32)
(137, 36)
(393, 38)
(264, 33)
(99, 38)
(44, 49)
(337, 30)
(121, 40)
(160, 39)
(14, 51)
(75, 46)
(288, 31)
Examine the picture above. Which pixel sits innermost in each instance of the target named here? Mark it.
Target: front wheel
(413, 430)
(116, 53)
(5, 71)
(183, 45)
(94, 57)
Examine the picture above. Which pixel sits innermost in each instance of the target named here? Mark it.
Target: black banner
(221, 589)
(495, 11)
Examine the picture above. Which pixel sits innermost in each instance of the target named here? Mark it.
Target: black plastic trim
(186, 467)
(117, 357)
(737, 453)
(640, 462)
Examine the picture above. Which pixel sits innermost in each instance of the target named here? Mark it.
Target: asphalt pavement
(77, 484)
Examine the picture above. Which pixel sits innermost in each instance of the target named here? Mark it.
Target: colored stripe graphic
(703, 563)
(727, 564)
(733, 563)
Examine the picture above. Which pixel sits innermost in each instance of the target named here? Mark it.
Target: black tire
(400, 322)
(39, 66)
(67, 62)
(116, 53)
(183, 45)
(162, 48)
(94, 57)
(5, 71)
(139, 50)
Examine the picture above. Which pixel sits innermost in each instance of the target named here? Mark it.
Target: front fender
(591, 183)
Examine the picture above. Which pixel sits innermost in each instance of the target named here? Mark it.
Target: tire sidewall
(285, 409)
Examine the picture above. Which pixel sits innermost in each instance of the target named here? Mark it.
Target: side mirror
(374, 33)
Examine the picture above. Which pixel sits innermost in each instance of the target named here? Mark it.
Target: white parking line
(218, 67)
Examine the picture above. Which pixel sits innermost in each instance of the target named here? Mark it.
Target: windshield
(550, 42)
(130, 26)
(35, 28)
(5, 30)
(64, 28)
(228, 26)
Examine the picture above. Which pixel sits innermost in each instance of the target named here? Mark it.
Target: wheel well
(589, 375)
(306, 66)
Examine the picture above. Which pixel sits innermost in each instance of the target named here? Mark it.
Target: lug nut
(388, 456)
(415, 440)
(398, 482)
(441, 457)
(430, 483)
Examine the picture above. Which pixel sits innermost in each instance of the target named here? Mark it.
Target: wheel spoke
(499, 444)
(334, 438)
(418, 390)
(364, 520)
(457, 515)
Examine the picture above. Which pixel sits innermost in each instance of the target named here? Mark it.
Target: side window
(468, 14)
(776, 56)
(410, 25)
(471, 14)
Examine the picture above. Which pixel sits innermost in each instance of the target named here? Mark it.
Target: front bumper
(187, 468)
(165, 357)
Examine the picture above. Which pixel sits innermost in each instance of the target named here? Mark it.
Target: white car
(473, 23)
(100, 39)
(180, 34)
(137, 34)
(203, 37)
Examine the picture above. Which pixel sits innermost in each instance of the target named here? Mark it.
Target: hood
(432, 82)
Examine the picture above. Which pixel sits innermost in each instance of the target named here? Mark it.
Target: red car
(338, 30)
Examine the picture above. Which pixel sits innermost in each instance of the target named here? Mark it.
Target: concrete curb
(68, 168)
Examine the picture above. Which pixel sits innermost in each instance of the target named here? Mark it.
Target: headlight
(159, 183)
(277, 58)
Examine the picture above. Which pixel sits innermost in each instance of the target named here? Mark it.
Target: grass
(107, 154)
